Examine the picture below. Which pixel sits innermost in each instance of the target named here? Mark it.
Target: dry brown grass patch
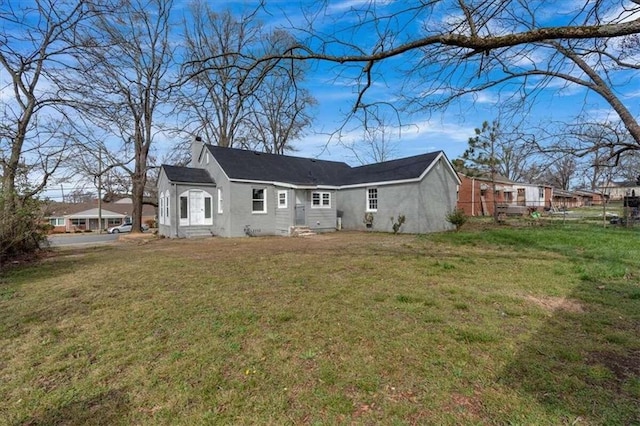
(552, 304)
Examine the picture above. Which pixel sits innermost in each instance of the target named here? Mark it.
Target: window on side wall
(372, 199)
(220, 201)
(321, 200)
(508, 197)
(282, 199)
(184, 203)
(259, 200)
(207, 207)
(540, 192)
(57, 221)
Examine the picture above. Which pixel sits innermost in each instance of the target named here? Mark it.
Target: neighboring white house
(232, 192)
(618, 190)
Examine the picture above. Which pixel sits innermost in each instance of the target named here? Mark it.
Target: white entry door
(196, 208)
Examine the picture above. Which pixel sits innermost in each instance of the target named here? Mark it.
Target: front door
(300, 219)
(522, 201)
(196, 208)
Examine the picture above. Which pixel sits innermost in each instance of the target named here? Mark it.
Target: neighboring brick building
(476, 196)
(71, 217)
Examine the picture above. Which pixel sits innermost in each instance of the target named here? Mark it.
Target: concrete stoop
(198, 232)
(301, 231)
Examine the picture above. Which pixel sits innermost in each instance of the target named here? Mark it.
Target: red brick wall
(470, 197)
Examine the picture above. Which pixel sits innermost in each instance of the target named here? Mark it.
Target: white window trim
(264, 201)
(220, 199)
(167, 216)
(183, 208)
(207, 196)
(286, 199)
(368, 200)
(321, 206)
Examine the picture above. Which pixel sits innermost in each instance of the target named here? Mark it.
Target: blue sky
(334, 87)
(447, 130)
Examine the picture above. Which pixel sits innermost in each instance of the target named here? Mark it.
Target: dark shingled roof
(187, 174)
(251, 165)
(400, 169)
(259, 166)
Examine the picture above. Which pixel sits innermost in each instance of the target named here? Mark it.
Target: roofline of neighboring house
(110, 215)
(507, 181)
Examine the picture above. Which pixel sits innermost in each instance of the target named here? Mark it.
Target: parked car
(125, 227)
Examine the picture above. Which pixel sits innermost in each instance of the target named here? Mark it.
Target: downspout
(473, 196)
(176, 213)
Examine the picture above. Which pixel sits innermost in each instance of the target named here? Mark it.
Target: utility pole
(99, 190)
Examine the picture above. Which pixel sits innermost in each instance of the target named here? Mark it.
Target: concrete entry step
(198, 232)
(301, 231)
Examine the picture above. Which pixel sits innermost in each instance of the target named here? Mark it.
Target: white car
(125, 227)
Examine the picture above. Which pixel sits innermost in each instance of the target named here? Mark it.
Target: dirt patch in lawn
(552, 304)
(227, 248)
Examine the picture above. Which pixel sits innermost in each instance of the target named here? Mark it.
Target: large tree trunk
(137, 194)
(139, 180)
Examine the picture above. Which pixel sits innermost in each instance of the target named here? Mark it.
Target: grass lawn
(506, 325)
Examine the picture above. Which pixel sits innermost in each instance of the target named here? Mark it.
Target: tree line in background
(79, 73)
(496, 150)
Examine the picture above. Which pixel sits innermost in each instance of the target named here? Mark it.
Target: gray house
(232, 192)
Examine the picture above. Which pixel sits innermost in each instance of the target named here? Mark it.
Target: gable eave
(446, 161)
(409, 180)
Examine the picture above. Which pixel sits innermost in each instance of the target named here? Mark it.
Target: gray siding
(222, 221)
(425, 204)
(163, 185)
(284, 216)
(321, 219)
(241, 210)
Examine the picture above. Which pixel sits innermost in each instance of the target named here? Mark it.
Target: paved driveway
(80, 239)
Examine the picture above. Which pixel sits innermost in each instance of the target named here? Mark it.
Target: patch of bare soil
(228, 248)
(623, 366)
(470, 407)
(552, 304)
(137, 238)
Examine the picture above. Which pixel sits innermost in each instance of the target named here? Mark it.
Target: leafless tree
(467, 46)
(227, 98)
(127, 69)
(218, 90)
(595, 146)
(560, 172)
(379, 141)
(629, 167)
(35, 44)
(79, 195)
(279, 114)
